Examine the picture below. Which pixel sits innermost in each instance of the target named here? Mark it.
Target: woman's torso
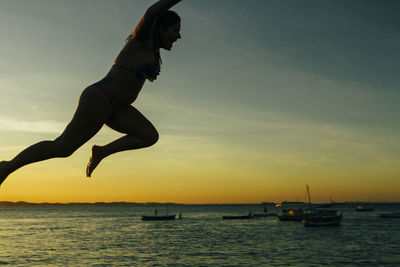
(124, 81)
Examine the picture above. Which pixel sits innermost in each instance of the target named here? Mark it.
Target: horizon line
(99, 203)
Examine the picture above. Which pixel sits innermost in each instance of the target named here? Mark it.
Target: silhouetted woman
(109, 100)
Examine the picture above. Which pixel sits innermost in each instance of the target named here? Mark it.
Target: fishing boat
(322, 219)
(291, 211)
(321, 216)
(157, 217)
(390, 215)
(237, 217)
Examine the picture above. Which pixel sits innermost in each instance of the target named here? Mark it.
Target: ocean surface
(101, 235)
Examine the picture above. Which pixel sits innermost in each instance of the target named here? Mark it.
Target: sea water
(115, 235)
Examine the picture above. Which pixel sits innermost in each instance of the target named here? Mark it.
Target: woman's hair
(166, 20)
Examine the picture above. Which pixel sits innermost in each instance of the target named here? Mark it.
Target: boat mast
(309, 197)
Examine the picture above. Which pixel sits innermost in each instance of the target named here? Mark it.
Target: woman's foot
(4, 171)
(94, 160)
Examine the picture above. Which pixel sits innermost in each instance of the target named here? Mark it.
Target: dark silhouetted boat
(159, 218)
(389, 215)
(321, 216)
(237, 217)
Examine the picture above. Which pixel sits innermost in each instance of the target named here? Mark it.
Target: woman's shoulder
(137, 46)
(135, 51)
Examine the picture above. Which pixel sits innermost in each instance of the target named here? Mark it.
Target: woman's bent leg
(139, 132)
(92, 111)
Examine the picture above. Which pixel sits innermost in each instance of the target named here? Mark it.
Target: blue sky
(283, 91)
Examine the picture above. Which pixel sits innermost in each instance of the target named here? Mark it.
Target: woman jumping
(109, 100)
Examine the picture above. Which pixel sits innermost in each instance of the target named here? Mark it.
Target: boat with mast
(321, 216)
(157, 217)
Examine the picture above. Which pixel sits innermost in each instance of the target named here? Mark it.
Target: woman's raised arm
(160, 7)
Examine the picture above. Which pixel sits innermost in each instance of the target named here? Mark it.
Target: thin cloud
(43, 126)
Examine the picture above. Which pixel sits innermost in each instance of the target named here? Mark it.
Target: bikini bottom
(116, 112)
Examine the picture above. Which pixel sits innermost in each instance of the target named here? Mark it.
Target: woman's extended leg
(139, 133)
(91, 113)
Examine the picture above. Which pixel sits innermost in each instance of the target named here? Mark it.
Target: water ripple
(104, 236)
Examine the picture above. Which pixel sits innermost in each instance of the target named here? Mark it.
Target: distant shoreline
(117, 203)
(123, 203)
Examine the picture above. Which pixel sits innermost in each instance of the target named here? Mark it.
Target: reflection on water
(104, 235)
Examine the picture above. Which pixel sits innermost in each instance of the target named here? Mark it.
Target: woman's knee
(152, 138)
(63, 149)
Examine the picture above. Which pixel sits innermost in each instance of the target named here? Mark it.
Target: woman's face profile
(170, 35)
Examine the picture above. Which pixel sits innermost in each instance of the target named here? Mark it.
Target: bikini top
(149, 72)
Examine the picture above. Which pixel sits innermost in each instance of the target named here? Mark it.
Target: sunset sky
(258, 99)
